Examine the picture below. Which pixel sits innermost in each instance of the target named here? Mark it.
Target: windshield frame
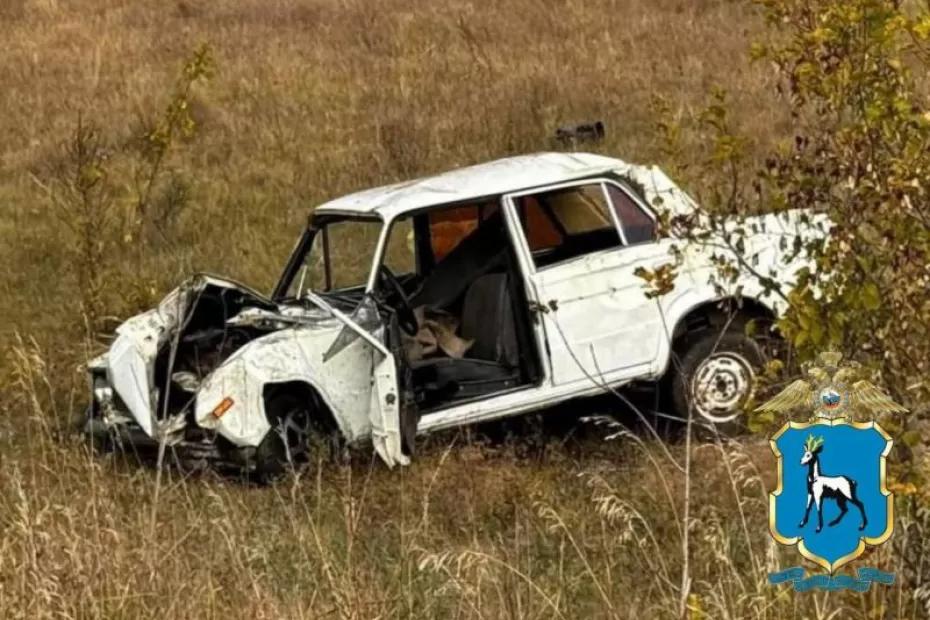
(314, 229)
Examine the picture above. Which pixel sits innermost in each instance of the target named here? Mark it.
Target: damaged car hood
(131, 360)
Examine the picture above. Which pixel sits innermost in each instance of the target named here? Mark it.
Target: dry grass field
(310, 99)
(314, 99)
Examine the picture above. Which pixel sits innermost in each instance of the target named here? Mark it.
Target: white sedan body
(593, 327)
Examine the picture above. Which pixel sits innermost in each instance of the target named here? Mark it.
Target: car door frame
(598, 376)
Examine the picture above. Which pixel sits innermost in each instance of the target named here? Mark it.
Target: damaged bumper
(110, 423)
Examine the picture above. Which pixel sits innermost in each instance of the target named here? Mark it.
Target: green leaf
(816, 331)
(871, 297)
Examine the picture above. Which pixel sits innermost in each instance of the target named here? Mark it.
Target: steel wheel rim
(721, 384)
(294, 430)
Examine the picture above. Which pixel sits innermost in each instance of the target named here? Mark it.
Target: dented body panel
(292, 354)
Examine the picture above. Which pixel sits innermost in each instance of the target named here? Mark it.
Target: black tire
(287, 446)
(725, 365)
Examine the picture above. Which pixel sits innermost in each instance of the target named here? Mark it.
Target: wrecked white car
(484, 292)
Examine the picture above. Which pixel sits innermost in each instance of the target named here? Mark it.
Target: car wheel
(286, 447)
(715, 377)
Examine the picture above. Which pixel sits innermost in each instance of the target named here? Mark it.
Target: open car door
(385, 411)
(408, 413)
(387, 400)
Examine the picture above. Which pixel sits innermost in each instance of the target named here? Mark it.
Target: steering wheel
(406, 319)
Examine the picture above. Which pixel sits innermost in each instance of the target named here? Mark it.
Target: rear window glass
(579, 209)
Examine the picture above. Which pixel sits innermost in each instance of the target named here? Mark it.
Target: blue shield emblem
(831, 498)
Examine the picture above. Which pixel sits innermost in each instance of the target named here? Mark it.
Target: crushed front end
(144, 388)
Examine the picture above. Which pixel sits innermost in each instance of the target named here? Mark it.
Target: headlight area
(108, 422)
(111, 427)
(102, 393)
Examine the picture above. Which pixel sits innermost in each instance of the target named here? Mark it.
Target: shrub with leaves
(860, 157)
(857, 165)
(82, 201)
(161, 194)
(114, 202)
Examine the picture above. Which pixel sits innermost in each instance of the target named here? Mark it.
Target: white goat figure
(819, 487)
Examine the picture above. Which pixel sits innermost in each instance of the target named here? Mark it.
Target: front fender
(294, 354)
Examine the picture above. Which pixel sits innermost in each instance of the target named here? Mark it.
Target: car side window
(447, 228)
(399, 253)
(638, 226)
(450, 226)
(566, 223)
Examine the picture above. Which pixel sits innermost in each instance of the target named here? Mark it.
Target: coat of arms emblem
(831, 499)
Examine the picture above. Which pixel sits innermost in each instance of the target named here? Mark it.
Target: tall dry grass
(316, 98)
(471, 530)
(312, 99)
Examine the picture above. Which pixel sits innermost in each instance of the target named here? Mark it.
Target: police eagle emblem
(831, 393)
(828, 464)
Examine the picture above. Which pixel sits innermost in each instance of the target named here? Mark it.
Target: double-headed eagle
(830, 393)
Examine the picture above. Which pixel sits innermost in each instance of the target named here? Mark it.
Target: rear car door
(581, 244)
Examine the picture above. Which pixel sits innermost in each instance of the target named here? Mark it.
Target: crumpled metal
(365, 316)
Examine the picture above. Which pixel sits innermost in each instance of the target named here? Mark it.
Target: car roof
(492, 178)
